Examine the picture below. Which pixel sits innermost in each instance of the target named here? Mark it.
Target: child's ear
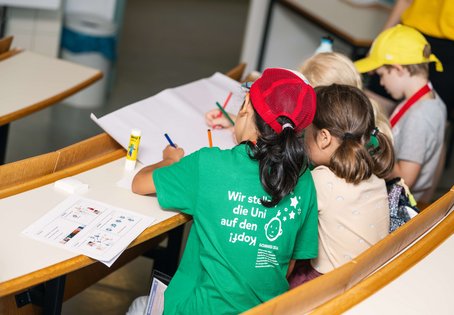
(324, 138)
(247, 106)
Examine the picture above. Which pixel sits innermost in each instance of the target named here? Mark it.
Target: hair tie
(373, 141)
(287, 125)
(247, 85)
(348, 135)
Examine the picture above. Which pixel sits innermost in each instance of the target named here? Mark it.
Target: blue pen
(170, 140)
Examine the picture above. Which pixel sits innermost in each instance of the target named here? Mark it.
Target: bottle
(326, 45)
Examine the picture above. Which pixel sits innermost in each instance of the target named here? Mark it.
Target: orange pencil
(210, 140)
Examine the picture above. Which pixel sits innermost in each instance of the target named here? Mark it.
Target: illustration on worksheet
(100, 241)
(83, 212)
(89, 227)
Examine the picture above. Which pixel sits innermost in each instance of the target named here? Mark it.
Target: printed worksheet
(89, 227)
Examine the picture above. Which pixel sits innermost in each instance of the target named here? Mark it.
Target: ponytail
(351, 161)
(282, 159)
(347, 113)
(355, 161)
(383, 156)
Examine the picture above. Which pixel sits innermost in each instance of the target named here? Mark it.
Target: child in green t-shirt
(254, 207)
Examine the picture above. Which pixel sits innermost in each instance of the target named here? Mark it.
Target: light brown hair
(346, 112)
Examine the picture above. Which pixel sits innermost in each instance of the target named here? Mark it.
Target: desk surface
(26, 262)
(358, 25)
(427, 288)
(30, 82)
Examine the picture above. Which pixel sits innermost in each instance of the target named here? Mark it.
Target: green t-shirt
(238, 251)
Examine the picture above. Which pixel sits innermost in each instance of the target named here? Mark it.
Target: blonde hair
(330, 67)
(382, 121)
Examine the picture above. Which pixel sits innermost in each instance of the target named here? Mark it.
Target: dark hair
(346, 112)
(282, 159)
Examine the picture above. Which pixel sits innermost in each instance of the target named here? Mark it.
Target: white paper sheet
(179, 112)
(89, 227)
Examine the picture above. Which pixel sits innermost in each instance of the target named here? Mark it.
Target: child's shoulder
(323, 171)
(430, 104)
(430, 110)
(211, 155)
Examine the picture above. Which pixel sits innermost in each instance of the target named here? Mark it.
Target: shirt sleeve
(413, 138)
(306, 245)
(177, 184)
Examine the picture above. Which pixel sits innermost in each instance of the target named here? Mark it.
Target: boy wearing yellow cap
(400, 56)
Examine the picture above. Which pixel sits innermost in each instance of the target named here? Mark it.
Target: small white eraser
(71, 185)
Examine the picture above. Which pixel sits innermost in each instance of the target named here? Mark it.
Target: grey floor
(163, 43)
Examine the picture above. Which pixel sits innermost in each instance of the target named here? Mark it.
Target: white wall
(253, 34)
(33, 4)
(291, 38)
(36, 30)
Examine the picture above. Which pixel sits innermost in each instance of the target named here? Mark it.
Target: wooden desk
(27, 190)
(26, 266)
(30, 82)
(356, 26)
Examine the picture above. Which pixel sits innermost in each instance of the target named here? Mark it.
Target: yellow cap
(399, 45)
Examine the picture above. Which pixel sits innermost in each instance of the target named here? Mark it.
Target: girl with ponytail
(254, 207)
(352, 158)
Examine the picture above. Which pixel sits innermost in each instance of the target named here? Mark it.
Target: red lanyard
(413, 99)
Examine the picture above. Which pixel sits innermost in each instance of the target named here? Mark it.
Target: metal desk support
(48, 295)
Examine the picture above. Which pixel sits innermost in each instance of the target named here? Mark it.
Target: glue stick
(132, 149)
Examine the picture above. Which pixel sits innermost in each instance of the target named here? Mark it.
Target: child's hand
(172, 154)
(216, 120)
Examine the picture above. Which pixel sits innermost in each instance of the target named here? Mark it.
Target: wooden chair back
(315, 293)
(33, 172)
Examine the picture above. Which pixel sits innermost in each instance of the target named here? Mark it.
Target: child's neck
(414, 85)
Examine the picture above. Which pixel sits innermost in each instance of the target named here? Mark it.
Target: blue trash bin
(89, 40)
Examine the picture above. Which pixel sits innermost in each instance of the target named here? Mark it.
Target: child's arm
(408, 171)
(215, 119)
(143, 183)
(395, 16)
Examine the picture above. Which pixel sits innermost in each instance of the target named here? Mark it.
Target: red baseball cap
(282, 92)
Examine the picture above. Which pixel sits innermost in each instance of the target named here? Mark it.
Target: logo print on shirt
(273, 229)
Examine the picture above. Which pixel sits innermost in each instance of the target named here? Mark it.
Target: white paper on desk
(128, 176)
(89, 227)
(179, 112)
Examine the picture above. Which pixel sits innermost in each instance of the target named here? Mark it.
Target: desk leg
(266, 30)
(48, 295)
(2, 20)
(53, 296)
(3, 140)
